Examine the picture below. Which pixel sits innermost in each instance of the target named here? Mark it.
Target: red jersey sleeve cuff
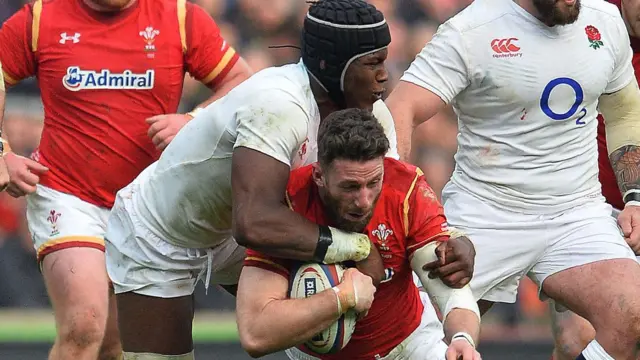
(228, 60)
(266, 264)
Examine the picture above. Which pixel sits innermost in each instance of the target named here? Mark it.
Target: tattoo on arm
(625, 162)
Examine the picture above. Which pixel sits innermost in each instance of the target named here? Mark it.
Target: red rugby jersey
(101, 75)
(407, 216)
(606, 175)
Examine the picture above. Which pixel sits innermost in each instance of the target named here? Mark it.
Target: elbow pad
(445, 297)
(621, 111)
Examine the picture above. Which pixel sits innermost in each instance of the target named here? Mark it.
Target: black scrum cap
(337, 32)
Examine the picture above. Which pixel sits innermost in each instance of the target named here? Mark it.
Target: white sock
(150, 356)
(594, 351)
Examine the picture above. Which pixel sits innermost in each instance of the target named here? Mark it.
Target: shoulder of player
(273, 89)
(300, 182)
(475, 16)
(400, 178)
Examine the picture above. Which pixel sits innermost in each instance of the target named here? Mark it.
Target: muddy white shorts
(510, 245)
(59, 221)
(141, 262)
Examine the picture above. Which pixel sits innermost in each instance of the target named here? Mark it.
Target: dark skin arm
(263, 222)
(456, 258)
(261, 219)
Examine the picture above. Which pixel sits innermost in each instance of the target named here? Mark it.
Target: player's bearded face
(364, 81)
(558, 12)
(350, 191)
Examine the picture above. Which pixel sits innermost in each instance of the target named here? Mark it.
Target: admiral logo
(505, 48)
(77, 79)
(309, 287)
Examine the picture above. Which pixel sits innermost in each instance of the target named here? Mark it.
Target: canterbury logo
(505, 47)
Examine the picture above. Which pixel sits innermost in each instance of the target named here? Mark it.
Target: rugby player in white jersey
(526, 79)
(225, 174)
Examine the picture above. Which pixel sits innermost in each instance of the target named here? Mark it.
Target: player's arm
(270, 131)
(434, 78)
(631, 15)
(382, 113)
(210, 58)
(426, 229)
(268, 321)
(620, 106)
(18, 43)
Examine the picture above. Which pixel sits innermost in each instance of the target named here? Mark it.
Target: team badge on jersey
(78, 79)
(594, 37)
(149, 35)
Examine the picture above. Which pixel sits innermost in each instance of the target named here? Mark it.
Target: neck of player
(325, 105)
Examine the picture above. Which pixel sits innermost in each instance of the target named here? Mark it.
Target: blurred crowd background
(252, 26)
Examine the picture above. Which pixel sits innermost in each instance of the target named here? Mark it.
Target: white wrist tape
(445, 297)
(347, 246)
(463, 336)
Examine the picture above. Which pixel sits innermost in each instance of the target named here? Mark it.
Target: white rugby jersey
(525, 95)
(185, 196)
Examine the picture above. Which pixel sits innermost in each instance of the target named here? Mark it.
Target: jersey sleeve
(382, 113)
(623, 72)
(17, 58)
(208, 57)
(274, 125)
(441, 67)
(259, 260)
(426, 220)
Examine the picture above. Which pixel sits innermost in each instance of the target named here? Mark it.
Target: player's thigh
(588, 263)
(77, 285)
(505, 246)
(155, 325)
(68, 236)
(154, 281)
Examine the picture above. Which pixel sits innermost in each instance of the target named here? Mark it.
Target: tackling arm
(271, 129)
(410, 106)
(263, 222)
(622, 113)
(458, 306)
(269, 322)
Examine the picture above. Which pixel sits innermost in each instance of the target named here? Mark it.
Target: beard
(555, 13)
(331, 207)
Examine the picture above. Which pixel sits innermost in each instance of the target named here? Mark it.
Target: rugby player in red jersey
(111, 74)
(355, 188)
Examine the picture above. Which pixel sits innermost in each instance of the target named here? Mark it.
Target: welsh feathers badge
(593, 34)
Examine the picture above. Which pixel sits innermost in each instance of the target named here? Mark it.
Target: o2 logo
(579, 95)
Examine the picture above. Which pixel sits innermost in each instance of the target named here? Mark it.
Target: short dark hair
(351, 134)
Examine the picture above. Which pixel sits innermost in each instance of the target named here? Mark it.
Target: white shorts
(510, 245)
(425, 343)
(141, 262)
(59, 221)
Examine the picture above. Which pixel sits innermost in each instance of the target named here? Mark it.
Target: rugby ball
(309, 279)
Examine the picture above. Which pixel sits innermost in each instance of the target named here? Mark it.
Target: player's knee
(570, 342)
(86, 328)
(110, 350)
